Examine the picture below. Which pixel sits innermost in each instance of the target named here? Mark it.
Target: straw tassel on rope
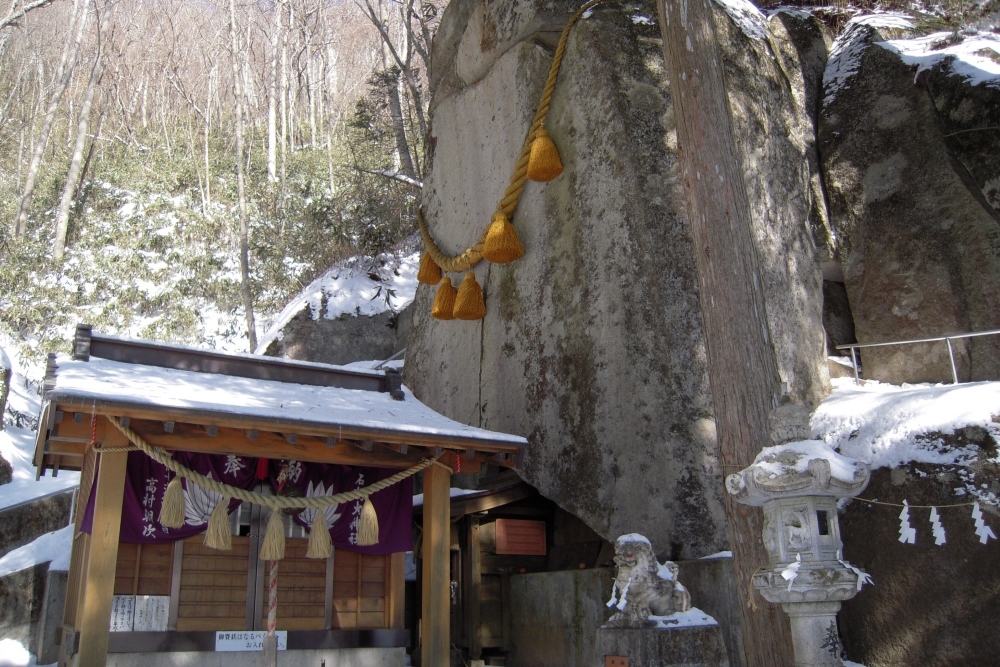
(429, 272)
(273, 547)
(502, 242)
(320, 543)
(368, 525)
(218, 535)
(469, 303)
(444, 301)
(172, 509)
(543, 162)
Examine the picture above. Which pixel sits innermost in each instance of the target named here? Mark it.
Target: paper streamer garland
(936, 528)
(792, 571)
(982, 530)
(907, 533)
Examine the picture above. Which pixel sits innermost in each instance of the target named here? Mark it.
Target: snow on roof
(349, 288)
(118, 383)
(973, 58)
(775, 460)
(887, 425)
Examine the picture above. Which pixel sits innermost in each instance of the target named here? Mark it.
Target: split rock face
(913, 198)
(592, 345)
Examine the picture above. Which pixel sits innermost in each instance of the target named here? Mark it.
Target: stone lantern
(798, 485)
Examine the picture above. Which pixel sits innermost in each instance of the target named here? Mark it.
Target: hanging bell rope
(472, 256)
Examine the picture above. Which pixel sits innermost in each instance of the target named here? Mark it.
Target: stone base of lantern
(700, 646)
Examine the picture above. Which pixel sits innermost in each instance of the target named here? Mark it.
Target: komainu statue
(643, 587)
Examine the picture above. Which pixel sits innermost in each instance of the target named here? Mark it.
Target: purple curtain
(146, 480)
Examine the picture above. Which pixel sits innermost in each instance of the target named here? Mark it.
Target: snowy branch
(396, 176)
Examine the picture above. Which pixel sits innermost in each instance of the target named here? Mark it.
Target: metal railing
(854, 347)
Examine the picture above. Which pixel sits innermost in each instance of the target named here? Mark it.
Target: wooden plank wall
(301, 590)
(213, 585)
(143, 569)
(360, 589)
(213, 591)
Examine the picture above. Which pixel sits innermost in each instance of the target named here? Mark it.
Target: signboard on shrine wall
(520, 537)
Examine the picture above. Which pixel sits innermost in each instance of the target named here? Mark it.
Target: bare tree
(16, 13)
(76, 161)
(742, 367)
(240, 185)
(63, 75)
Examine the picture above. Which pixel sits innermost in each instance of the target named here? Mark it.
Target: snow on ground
(882, 424)
(53, 548)
(13, 654)
(353, 287)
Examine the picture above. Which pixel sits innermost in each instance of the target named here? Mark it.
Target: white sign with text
(247, 640)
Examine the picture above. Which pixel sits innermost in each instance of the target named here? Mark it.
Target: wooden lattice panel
(213, 590)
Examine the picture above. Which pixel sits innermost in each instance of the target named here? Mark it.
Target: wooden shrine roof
(188, 399)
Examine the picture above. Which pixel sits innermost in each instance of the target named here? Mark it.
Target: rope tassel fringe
(172, 509)
(444, 301)
(543, 162)
(368, 525)
(218, 535)
(429, 272)
(320, 543)
(502, 244)
(273, 547)
(469, 303)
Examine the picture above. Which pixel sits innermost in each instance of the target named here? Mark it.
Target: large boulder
(592, 345)
(913, 199)
(931, 605)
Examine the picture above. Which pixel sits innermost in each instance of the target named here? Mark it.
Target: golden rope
(472, 256)
(272, 502)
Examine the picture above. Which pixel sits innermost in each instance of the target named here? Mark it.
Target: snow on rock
(13, 654)
(354, 287)
(51, 548)
(795, 457)
(746, 16)
(845, 56)
(693, 617)
(974, 57)
(887, 425)
(720, 554)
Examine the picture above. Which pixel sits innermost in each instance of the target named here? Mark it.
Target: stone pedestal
(699, 646)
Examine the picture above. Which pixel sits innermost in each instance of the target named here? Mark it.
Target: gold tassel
(429, 272)
(368, 525)
(543, 162)
(218, 535)
(502, 242)
(469, 304)
(320, 544)
(444, 301)
(273, 547)
(172, 509)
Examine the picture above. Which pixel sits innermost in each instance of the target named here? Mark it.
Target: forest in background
(174, 168)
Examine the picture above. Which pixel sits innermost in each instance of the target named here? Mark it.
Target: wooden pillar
(94, 619)
(436, 585)
(473, 576)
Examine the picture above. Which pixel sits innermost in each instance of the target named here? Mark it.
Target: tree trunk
(272, 96)
(76, 162)
(240, 186)
(742, 366)
(402, 148)
(63, 75)
(284, 108)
